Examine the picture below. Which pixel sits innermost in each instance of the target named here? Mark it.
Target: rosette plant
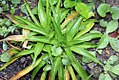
(57, 32)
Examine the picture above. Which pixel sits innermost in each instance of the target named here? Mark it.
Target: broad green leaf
(85, 53)
(103, 41)
(69, 3)
(114, 11)
(103, 23)
(103, 9)
(41, 14)
(55, 68)
(38, 48)
(107, 67)
(112, 26)
(86, 45)
(5, 57)
(115, 69)
(89, 36)
(56, 51)
(82, 9)
(112, 59)
(104, 77)
(61, 72)
(41, 64)
(77, 66)
(24, 52)
(66, 61)
(74, 29)
(114, 44)
(39, 39)
(88, 27)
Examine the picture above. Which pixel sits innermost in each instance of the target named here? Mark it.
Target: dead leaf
(69, 18)
(14, 38)
(13, 46)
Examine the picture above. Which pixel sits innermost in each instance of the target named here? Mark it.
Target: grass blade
(55, 68)
(74, 29)
(31, 26)
(38, 48)
(84, 53)
(41, 14)
(28, 69)
(71, 71)
(77, 66)
(31, 14)
(39, 39)
(88, 27)
(41, 64)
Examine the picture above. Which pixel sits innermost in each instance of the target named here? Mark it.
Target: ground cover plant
(53, 33)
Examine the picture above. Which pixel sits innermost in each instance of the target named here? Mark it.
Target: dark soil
(23, 62)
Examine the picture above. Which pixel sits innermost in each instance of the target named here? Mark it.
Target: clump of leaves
(110, 69)
(110, 26)
(55, 36)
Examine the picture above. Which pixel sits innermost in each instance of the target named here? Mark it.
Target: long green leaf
(41, 64)
(38, 48)
(61, 72)
(31, 25)
(55, 68)
(84, 53)
(88, 27)
(77, 66)
(41, 14)
(57, 30)
(74, 29)
(43, 76)
(31, 14)
(39, 38)
(89, 36)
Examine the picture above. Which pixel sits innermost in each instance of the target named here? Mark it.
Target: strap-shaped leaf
(89, 36)
(88, 27)
(71, 71)
(57, 30)
(55, 68)
(61, 72)
(38, 48)
(31, 25)
(41, 64)
(74, 29)
(31, 14)
(39, 38)
(29, 68)
(84, 53)
(43, 76)
(77, 66)
(41, 14)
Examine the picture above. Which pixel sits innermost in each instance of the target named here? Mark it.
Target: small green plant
(110, 26)
(110, 69)
(55, 36)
